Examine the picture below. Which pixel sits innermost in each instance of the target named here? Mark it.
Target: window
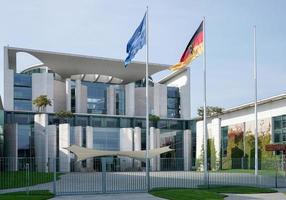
(96, 97)
(120, 101)
(106, 138)
(22, 92)
(22, 105)
(279, 129)
(224, 140)
(173, 102)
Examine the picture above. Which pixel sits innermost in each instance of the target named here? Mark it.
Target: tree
(154, 119)
(63, 115)
(41, 102)
(212, 111)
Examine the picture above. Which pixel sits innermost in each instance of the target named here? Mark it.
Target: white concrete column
(8, 80)
(137, 139)
(137, 144)
(43, 84)
(11, 145)
(41, 141)
(68, 94)
(78, 96)
(199, 143)
(187, 139)
(160, 100)
(155, 143)
(126, 144)
(64, 142)
(78, 141)
(89, 144)
(216, 134)
(130, 99)
(111, 100)
(52, 145)
(185, 97)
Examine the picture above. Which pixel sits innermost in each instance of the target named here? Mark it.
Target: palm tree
(41, 102)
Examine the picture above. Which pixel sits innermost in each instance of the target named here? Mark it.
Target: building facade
(108, 106)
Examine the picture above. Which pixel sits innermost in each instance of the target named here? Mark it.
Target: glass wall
(22, 92)
(106, 139)
(173, 102)
(120, 100)
(25, 141)
(224, 140)
(173, 160)
(279, 129)
(96, 97)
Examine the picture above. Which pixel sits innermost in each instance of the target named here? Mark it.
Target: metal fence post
(55, 176)
(103, 174)
(27, 178)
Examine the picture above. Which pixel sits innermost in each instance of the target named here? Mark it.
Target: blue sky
(103, 27)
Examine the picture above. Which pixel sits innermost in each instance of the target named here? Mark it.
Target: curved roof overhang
(67, 65)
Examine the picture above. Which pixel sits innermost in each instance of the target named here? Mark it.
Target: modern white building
(108, 105)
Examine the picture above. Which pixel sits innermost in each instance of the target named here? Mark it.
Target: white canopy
(84, 153)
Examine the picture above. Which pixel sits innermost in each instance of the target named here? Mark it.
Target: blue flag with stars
(137, 41)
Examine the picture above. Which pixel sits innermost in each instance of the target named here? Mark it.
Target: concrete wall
(111, 98)
(155, 143)
(126, 144)
(140, 103)
(68, 94)
(80, 97)
(43, 84)
(41, 141)
(64, 141)
(8, 83)
(89, 144)
(130, 99)
(78, 141)
(160, 100)
(59, 96)
(187, 139)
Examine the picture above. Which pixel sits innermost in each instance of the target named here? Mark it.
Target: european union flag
(137, 41)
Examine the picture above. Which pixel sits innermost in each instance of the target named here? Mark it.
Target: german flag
(193, 50)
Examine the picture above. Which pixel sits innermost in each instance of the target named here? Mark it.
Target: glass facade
(224, 140)
(25, 141)
(96, 97)
(22, 92)
(120, 100)
(173, 102)
(279, 129)
(106, 139)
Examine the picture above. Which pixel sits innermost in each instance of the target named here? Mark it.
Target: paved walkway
(123, 196)
(271, 196)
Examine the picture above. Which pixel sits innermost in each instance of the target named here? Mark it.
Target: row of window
(22, 92)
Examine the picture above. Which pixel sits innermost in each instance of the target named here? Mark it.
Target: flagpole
(147, 102)
(205, 106)
(255, 103)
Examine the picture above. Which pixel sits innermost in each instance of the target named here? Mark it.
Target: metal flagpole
(205, 107)
(255, 103)
(147, 103)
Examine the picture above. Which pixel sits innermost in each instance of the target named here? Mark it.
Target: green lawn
(251, 171)
(203, 193)
(19, 179)
(34, 195)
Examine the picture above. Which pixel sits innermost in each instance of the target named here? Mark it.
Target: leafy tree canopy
(212, 111)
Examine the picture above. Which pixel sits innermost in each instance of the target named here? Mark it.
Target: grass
(203, 193)
(20, 179)
(34, 195)
(251, 171)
